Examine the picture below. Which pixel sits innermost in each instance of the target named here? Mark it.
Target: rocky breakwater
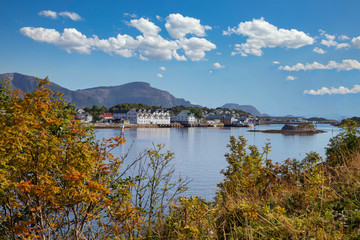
(301, 129)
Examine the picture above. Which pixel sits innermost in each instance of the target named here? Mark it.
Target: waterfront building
(184, 117)
(106, 117)
(243, 120)
(225, 119)
(83, 116)
(143, 116)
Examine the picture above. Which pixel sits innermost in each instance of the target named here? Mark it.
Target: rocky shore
(302, 129)
(290, 132)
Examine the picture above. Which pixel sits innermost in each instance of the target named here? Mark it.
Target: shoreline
(130, 126)
(118, 125)
(178, 125)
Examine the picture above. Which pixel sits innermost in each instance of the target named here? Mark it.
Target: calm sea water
(199, 152)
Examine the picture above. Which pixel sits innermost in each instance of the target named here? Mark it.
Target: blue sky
(283, 57)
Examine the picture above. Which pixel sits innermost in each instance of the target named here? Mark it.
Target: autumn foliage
(56, 182)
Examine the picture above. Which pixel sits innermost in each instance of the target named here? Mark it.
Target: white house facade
(185, 116)
(83, 116)
(143, 116)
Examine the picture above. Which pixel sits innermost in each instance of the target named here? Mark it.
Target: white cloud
(72, 15)
(290, 78)
(51, 14)
(340, 90)
(344, 37)
(162, 68)
(145, 26)
(276, 62)
(328, 43)
(155, 48)
(132, 15)
(195, 48)
(178, 57)
(211, 71)
(70, 39)
(159, 18)
(159, 75)
(319, 50)
(342, 45)
(218, 53)
(356, 42)
(149, 46)
(347, 64)
(123, 45)
(329, 40)
(218, 65)
(322, 32)
(262, 34)
(179, 26)
(48, 13)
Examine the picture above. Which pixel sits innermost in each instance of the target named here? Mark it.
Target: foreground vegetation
(57, 182)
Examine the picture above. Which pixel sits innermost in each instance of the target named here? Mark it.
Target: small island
(301, 129)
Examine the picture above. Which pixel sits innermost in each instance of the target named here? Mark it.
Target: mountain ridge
(108, 96)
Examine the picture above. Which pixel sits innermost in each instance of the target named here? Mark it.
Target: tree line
(95, 110)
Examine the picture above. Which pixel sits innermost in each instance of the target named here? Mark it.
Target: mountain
(135, 92)
(28, 84)
(247, 108)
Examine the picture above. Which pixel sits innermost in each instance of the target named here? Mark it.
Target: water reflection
(151, 133)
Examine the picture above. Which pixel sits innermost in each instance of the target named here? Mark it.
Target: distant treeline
(95, 110)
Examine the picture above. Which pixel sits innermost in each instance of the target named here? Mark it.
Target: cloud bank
(340, 90)
(148, 46)
(346, 65)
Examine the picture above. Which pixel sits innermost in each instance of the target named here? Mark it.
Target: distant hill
(28, 84)
(135, 92)
(247, 108)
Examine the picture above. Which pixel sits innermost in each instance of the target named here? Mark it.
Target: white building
(83, 116)
(185, 116)
(143, 116)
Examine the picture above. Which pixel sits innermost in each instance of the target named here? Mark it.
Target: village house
(243, 120)
(225, 119)
(184, 117)
(143, 116)
(83, 116)
(253, 119)
(106, 117)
